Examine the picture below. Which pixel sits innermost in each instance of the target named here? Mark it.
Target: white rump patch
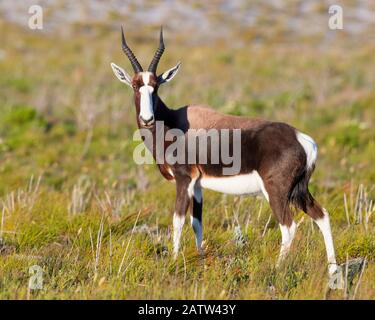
(311, 148)
(250, 183)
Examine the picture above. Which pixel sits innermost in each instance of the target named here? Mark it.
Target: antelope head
(145, 84)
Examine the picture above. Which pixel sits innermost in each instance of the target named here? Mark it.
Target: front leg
(196, 216)
(181, 207)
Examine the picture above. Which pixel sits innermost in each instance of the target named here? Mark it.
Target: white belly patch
(250, 183)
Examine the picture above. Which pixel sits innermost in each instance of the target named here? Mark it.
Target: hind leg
(280, 207)
(287, 236)
(321, 218)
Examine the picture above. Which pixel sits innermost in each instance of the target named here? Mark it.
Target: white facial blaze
(147, 110)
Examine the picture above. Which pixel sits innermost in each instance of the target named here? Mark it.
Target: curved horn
(158, 53)
(135, 64)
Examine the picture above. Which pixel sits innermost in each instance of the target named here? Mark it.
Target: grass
(74, 203)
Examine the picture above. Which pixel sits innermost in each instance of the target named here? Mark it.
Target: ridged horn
(133, 60)
(159, 52)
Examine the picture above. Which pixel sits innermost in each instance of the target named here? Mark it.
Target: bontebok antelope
(276, 160)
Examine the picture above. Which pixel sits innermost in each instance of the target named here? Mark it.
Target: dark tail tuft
(299, 194)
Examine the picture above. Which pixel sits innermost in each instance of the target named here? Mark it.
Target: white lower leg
(325, 227)
(197, 227)
(287, 235)
(178, 223)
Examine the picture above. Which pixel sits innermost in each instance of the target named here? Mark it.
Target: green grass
(100, 227)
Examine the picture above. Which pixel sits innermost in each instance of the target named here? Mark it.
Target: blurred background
(66, 119)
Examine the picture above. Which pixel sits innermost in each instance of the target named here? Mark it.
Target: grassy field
(73, 202)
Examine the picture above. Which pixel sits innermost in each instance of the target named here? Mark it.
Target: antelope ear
(121, 74)
(169, 74)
